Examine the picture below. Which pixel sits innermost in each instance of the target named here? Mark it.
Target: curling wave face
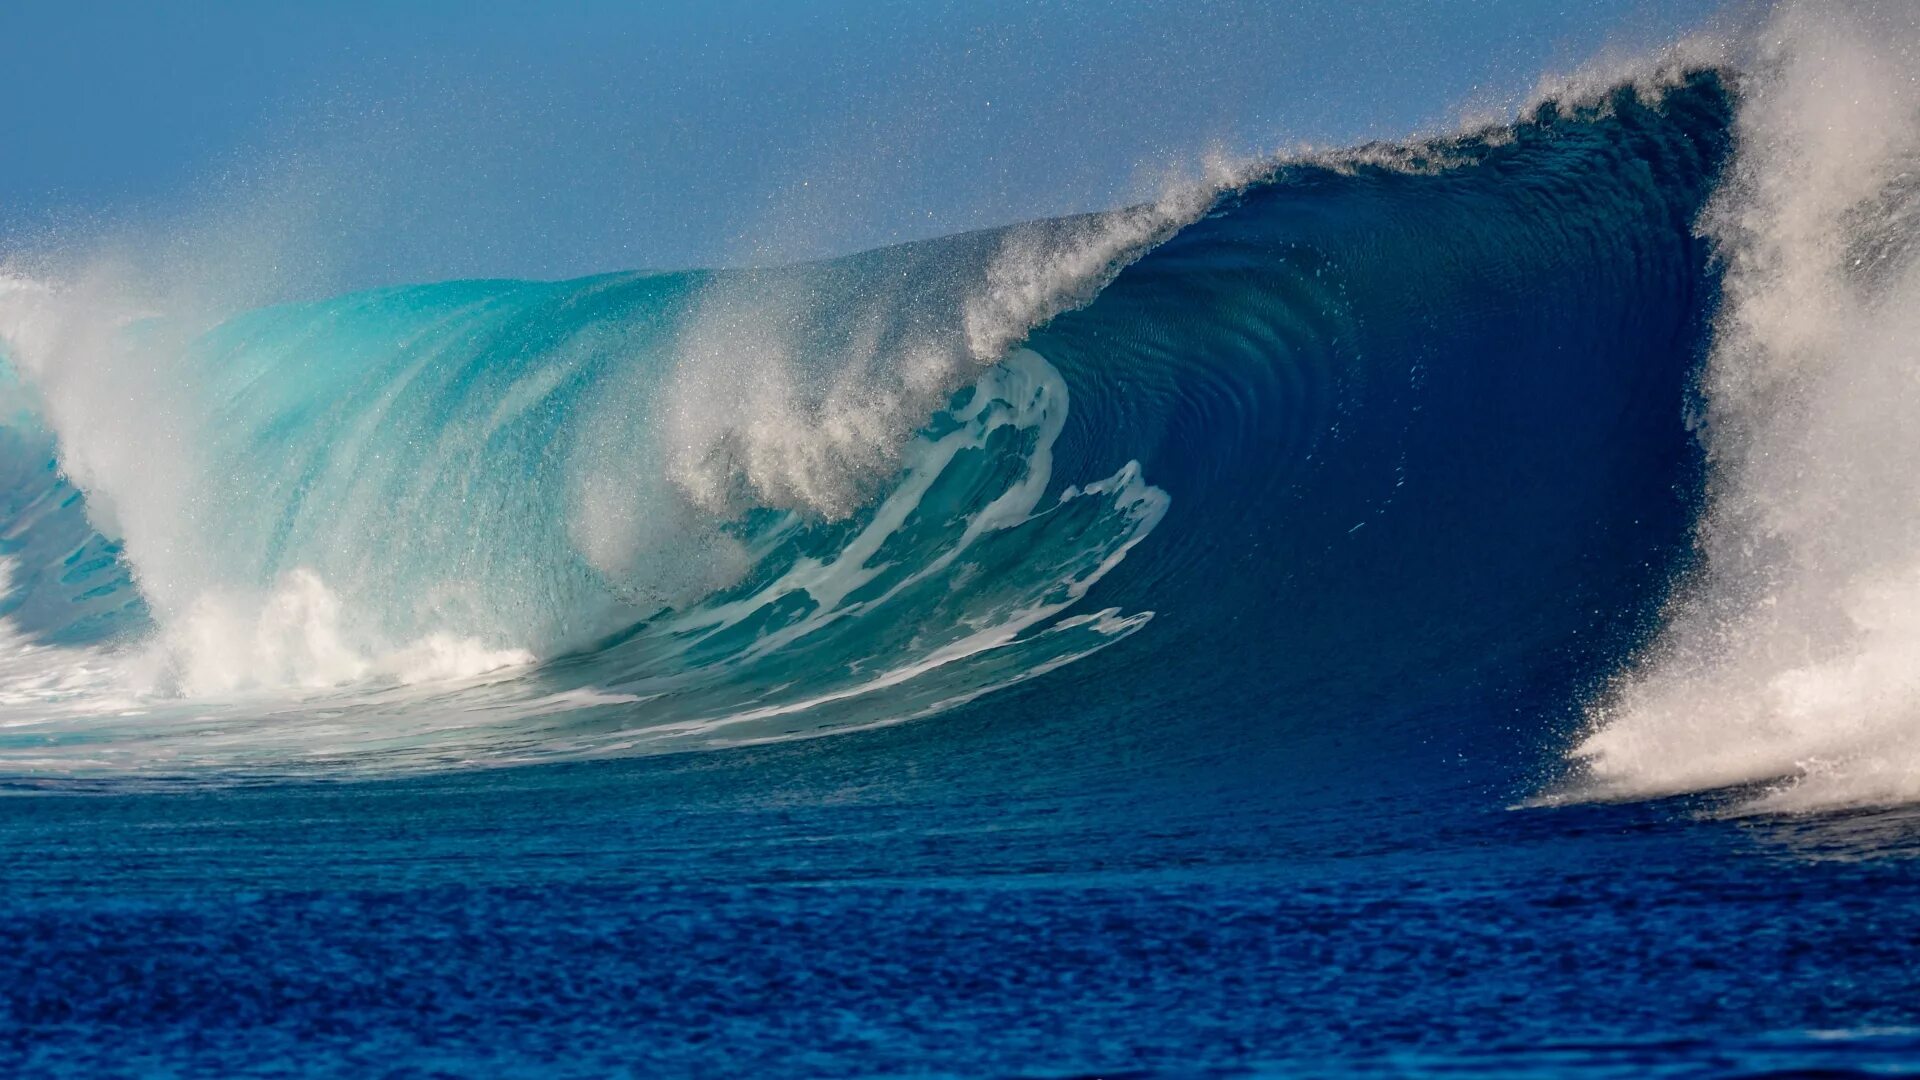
(1341, 442)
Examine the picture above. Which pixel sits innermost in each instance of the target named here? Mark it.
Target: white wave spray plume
(1793, 662)
(748, 420)
(108, 378)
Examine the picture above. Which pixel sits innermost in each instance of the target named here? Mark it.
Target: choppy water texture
(1417, 609)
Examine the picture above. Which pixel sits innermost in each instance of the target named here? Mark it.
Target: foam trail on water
(1794, 660)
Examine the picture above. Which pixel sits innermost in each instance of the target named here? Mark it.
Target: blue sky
(435, 139)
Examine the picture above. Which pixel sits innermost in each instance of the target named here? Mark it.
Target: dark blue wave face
(1425, 436)
(1231, 612)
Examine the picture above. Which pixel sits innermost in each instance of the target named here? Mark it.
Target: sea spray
(1794, 660)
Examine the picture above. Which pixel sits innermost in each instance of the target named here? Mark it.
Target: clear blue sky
(439, 139)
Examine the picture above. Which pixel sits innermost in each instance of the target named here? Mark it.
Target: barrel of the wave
(1423, 419)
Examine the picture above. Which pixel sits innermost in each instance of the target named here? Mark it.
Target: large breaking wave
(1628, 378)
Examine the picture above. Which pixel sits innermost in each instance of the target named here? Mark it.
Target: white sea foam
(298, 636)
(1794, 662)
(1025, 391)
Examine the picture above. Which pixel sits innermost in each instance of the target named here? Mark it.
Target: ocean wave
(484, 522)
(1353, 431)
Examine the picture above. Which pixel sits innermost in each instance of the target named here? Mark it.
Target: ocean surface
(1442, 608)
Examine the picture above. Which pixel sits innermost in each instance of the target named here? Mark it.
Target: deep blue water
(1400, 455)
(933, 900)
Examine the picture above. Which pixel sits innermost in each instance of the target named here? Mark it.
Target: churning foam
(298, 635)
(1794, 662)
(131, 426)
